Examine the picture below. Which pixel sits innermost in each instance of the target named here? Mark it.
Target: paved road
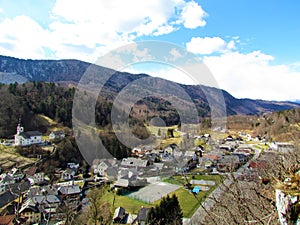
(208, 203)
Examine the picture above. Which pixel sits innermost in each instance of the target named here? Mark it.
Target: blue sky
(252, 47)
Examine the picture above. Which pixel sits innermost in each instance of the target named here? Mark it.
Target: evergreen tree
(167, 212)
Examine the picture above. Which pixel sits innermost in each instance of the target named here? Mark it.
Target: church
(27, 138)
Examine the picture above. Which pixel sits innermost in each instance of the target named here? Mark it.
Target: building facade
(27, 138)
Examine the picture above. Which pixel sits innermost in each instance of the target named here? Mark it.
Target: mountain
(71, 71)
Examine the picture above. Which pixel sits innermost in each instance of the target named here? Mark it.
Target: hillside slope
(72, 71)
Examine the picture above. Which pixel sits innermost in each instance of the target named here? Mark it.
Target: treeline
(50, 99)
(55, 101)
(25, 101)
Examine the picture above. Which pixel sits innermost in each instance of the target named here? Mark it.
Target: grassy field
(188, 202)
(9, 158)
(163, 132)
(180, 180)
(131, 205)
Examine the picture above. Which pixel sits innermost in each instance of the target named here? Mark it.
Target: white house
(27, 138)
(282, 146)
(58, 134)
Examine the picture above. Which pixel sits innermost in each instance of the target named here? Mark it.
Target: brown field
(10, 158)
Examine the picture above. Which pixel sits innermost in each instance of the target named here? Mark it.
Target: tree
(167, 212)
(95, 212)
(251, 200)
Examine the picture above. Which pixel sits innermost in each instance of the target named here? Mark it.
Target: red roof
(213, 157)
(31, 171)
(258, 164)
(7, 220)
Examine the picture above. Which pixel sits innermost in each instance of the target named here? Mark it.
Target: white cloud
(87, 29)
(111, 24)
(253, 75)
(193, 15)
(162, 71)
(208, 45)
(148, 17)
(22, 37)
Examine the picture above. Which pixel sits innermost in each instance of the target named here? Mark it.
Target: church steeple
(20, 129)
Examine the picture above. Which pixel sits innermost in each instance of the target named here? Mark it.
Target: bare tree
(251, 200)
(95, 212)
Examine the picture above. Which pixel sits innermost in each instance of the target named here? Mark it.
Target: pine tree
(167, 212)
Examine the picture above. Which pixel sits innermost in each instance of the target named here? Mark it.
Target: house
(244, 151)
(20, 187)
(101, 168)
(258, 164)
(43, 190)
(134, 162)
(132, 182)
(214, 158)
(142, 216)
(111, 173)
(228, 163)
(282, 146)
(5, 180)
(72, 165)
(6, 198)
(128, 178)
(122, 182)
(16, 174)
(8, 220)
(71, 192)
(127, 172)
(27, 138)
(242, 158)
(58, 134)
(39, 178)
(105, 168)
(30, 171)
(47, 204)
(68, 174)
(13, 185)
(30, 212)
(119, 215)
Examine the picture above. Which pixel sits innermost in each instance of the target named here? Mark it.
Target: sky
(252, 47)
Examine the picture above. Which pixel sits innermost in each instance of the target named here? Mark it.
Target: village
(29, 196)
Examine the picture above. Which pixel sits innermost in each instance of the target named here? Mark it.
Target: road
(208, 203)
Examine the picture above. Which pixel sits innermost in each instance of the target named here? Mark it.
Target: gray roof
(41, 199)
(29, 205)
(134, 162)
(47, 189)
(111, 171)
(69, 190)
(6, 197)
(22, 186)
(142, 214)
(122, 183)
(29, 134)
(119, 213)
